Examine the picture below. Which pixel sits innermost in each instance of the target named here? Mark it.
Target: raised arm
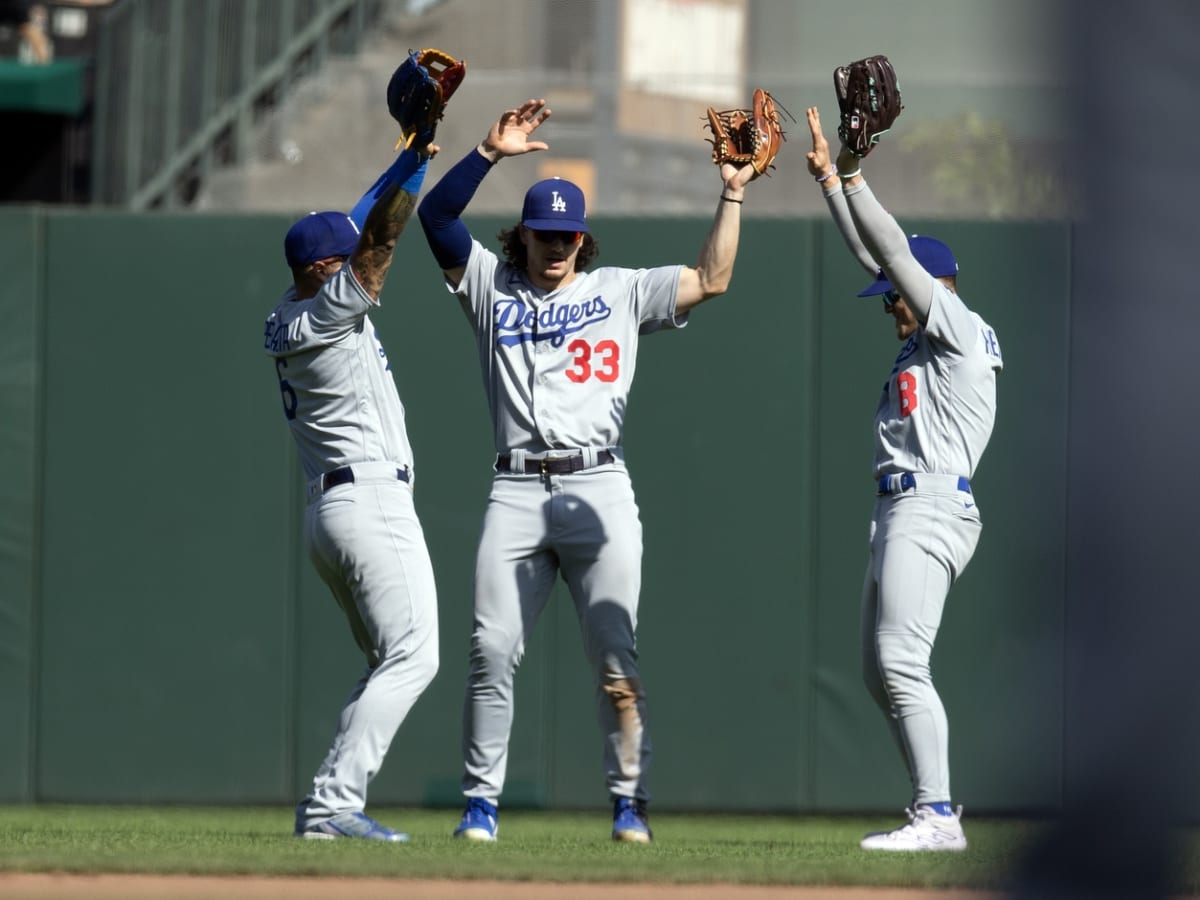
(400, 171)
(714, 270)
(441, 210)
(392, 203)
(823, 170)
(885, 239)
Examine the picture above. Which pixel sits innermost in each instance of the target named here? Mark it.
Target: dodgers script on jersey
(342, 406)
(558, 367)
(939, 404)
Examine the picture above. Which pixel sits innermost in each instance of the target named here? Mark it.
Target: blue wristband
(412, 184)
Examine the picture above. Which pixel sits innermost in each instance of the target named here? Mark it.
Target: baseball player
(360, 526)
(933, 421)
(557, 347)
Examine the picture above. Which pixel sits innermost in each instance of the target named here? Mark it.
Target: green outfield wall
(162, 638)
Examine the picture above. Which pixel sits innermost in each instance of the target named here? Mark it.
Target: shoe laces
(912, 820)
(629, 806)
(926, 813)
(479, 806)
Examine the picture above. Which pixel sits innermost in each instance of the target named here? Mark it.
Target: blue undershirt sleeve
(442, 206)
(408, 169)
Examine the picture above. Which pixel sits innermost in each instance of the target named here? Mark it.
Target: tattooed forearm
(382, 228)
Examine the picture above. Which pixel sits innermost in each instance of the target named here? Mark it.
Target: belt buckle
(544, 466)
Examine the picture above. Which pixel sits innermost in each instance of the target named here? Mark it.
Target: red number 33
(603, 361)
(906, 387)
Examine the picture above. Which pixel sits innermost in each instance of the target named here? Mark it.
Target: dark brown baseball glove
(869, 98)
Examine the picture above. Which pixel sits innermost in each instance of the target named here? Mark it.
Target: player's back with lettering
(338, 394)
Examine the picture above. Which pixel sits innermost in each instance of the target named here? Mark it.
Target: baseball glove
(748, 137)
(418, 92)
(869, 98)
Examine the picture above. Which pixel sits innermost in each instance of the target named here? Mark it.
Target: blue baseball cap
(320, 235)
(934, 257)
(554, 204)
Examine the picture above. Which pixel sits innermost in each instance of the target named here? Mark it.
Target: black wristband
(729, 199)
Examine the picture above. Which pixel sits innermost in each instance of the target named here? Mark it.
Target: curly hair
(518, 258)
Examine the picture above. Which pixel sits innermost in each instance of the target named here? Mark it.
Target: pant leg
(921, 544)
(598, 534)
(514, 574)
(871, 670)
(368, 546)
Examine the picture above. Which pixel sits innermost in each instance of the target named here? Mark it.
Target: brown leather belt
(555, 465)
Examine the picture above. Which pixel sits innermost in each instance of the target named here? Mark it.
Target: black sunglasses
(549, 237)
(890, 298)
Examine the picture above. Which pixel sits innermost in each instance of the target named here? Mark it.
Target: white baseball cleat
(926, 830)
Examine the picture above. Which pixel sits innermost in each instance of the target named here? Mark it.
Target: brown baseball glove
(748, 137)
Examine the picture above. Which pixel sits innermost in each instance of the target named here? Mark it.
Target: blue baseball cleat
(351, 825)
(479, 821)
(631, 821)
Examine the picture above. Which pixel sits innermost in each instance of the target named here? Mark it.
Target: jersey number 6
(288, 392)
(606, 366)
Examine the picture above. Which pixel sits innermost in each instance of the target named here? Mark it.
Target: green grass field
(533, 846)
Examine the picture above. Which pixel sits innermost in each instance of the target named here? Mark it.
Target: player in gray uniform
(933, 422)
(557, 347)
(360, 526)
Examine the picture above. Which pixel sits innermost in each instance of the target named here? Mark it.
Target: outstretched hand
(819, 162)
(509, 136)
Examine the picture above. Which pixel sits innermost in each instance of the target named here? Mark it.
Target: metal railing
(181, 84)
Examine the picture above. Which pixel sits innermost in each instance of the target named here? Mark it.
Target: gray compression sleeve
(836, 202)
(885, 241)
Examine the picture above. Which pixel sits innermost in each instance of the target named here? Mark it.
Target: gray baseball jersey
(934, 419)
(361, 528)
(939, 403)
(557, 369)
(337, 389)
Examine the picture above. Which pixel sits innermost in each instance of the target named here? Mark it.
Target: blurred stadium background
(278, 105)
(158, 618)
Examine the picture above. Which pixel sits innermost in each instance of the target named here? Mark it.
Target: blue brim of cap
(879, 286)
(554, 225)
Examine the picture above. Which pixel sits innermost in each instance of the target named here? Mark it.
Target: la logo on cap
(555, 204)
